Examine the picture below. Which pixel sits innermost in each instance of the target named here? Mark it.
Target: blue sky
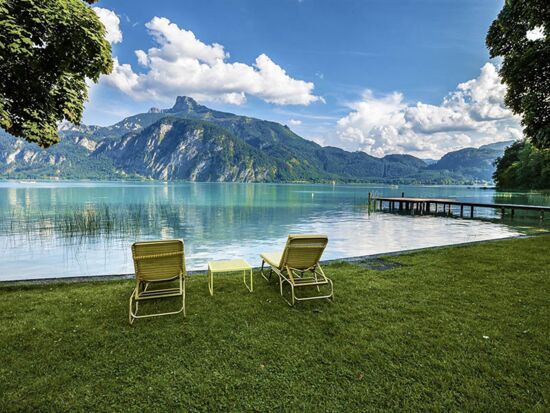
(362, 75)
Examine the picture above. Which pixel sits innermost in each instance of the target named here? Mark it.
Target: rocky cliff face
(72, 158)
(183, 149)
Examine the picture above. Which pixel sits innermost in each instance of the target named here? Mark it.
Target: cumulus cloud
(318, 140)
(472, 115)
(295, 122)
(184, 65)
(111, 22)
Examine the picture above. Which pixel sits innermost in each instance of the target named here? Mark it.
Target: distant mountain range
(475, 162)
(194, 143)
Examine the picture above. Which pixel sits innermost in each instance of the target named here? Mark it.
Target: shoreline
(474, 185)
(360, 258)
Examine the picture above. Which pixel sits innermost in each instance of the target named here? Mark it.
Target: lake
(62, 229)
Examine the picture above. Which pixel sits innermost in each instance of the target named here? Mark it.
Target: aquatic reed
(101, 220)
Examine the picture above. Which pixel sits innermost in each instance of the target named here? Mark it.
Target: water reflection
(67, 229)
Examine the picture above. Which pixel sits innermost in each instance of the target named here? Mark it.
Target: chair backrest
(158, 260)
(303, 251)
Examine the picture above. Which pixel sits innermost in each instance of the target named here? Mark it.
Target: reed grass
(97, 220)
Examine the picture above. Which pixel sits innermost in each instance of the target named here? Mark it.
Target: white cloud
(472, 115)
(111, 22)
(142, 57)
(184, 65)
(318, 140)
(535, 34)
(123, 76)
(295, 122)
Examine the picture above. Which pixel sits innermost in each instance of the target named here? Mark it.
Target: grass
(457, 329)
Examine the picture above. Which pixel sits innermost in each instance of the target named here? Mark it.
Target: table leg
(211, 282)
(251, 288)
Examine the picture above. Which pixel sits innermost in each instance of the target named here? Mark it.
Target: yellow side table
(229, 266)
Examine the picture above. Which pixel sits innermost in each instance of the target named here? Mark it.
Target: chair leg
(183, 295)
(290, 303)
(262, 272)
(294, 298)
(131, 316)
(130, 319)
(316, 280)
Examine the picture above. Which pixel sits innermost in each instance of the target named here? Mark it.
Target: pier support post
(541, 214)
(502, 212)
(512, 213)
(472, 211)
(461, 211)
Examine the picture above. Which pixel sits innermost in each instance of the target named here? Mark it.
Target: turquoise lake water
(61, 229)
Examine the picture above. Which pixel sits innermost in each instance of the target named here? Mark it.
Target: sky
(379, 76)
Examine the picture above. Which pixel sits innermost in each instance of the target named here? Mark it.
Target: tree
(48, 48)
(523, 166)
(521, 36)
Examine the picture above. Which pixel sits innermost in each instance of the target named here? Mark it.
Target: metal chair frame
(142, 290)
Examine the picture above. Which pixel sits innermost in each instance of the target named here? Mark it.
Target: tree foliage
(48, 48)
(526, 63)
(523, 166)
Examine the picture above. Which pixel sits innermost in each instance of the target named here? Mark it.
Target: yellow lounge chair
(157, 263)
(298, 266)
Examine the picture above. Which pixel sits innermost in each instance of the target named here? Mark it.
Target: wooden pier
(436, 205)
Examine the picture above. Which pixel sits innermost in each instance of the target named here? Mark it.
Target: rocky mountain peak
(184, 104)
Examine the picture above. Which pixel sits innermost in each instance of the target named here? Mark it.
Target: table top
(228, 265)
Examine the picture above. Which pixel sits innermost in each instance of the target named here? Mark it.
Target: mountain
(429, 161)
(192, 142)
(69, 159)
(474, 163)
(185, 149)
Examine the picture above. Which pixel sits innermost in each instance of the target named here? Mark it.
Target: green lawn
(463, 329)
